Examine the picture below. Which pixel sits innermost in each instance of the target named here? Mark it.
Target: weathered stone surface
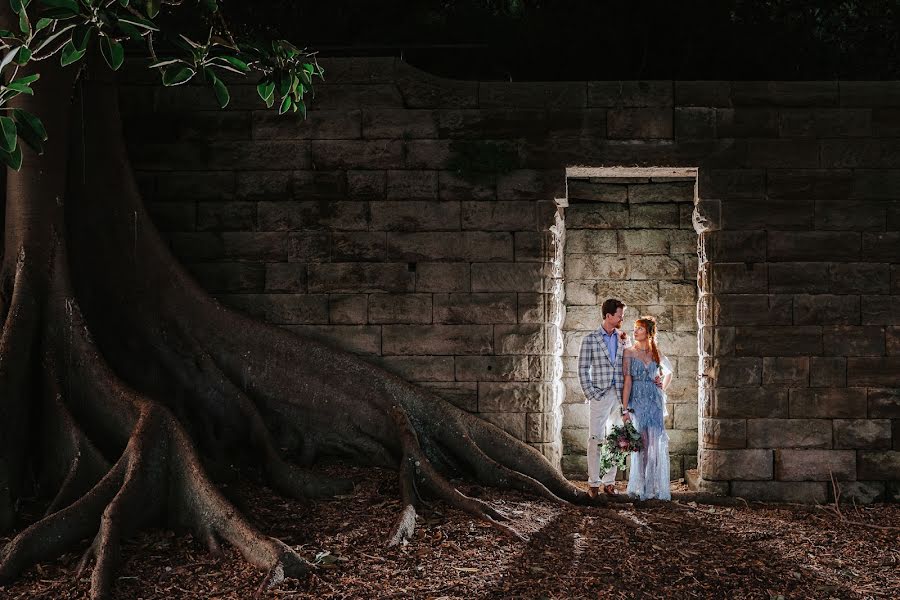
(361, 277)
(646, 241)
(737, 372)
(652, 216)
(808, 184)
(787, 371)
(682, 441)
(400, 308)
(452, 186)
(695, 122)
(825, 278)
(866, 434)
(309, 246)
(293, 216)
(234, 277)
(853, 341)
(881, 246)
(366, 185)
(862, 492)
(412, 185)
(508, 277)
(210, 185)
(826, 309)
(873, 371)
(491, 368)
(514, 397)
(583, 189)
(682, 295)
(499, 215)
(826, 371)
(419, 368)
(542, 427)
(828, 403)
(597, 216)
(884, 403)
(734, 246)
(437, 339)
(852, 215)
(463, 394)
(590, 241)
(768, 214)
(236, 245)
(678, 191)
(799, 492)
(879, 465)
(286, 277)
(788, 433)
(347, 309)
(630, 93)
(639, 123)
(747, 122)
(596, 266)
(724, 433)
(423, 90)
(321, 124)
(815, 465)
(654, 268)
(738, 277)
(282, 309)
(442, 277)
(685, 416)
(813, 245)
(392, 123)
(785, 93)
(357, 154)
(751, 309)
(574, 440)
(557, 94)
(768, 341)
(525, 338)
(749, 403)
(475, 308)
(719, 465)
(415, 216)
(358, 246)
(525, 184)
(358, 339)
(482, 246)
(825, 123)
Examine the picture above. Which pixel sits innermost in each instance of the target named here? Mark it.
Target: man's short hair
(610, 306)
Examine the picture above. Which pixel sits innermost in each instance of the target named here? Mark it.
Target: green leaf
(13, 159)
(219, 88)
(139, 22)
(124, 3)
(270, 101)
(285, 105)
(265, 89)
(70, 54)
(42, 23)
(113, 53)
(284, 84)
(237, 63)
(8, 57)
(69, 5)
(24, 23)
(8, 135)
(6, 33)
(16, 5)
(153, 8)
(129, 30)
(20, 88)
(30, 129)
(176, 75)
(82, 36)
(28, 79)
(23, 55)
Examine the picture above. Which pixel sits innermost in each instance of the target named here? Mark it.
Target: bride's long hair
(649, 325)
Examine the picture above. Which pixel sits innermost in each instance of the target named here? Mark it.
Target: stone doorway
(629, 234)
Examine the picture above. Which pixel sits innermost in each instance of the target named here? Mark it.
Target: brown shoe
(593, 492)
(610, 490)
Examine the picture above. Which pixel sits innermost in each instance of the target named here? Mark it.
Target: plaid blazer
(596, 368)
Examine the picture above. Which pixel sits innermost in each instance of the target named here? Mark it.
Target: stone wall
(632, 238)
(413, 219)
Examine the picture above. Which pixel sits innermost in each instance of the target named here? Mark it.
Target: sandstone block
(807, 184)
(452, 186)
(419, 368)
(226, 216)
(533, 246)
(854, 341)
(855, 215)
(509, 277)
(719, 465)
(746, 122)
(695, 122)
(827, 371)
(826, 309)
(828, 403)
(358, 339)
(734, 246)
(596, 266)
(769, 341)
(309, 247)
(683, 296)
(815, 465)
(829, 278)
(724, 433)
(585, 189)
(682, 441)
(786, 371)
(884, 403)
(499, 215)
(703, 93)
(214, 185)
(321, 124)
(524, 184)
(542, 427)
(597, 216)
(654, 267)
(357, 154)
(515, 397)
(234, 277)
(447, 246)
(437, 339)
(286, 277)
(737, 372)
(873, 371)
(361, 277)
(738, 278)
(347, 309)
(400, 308)
(813, 246)
(591, 241)
(793, 492)
(475, 308)
(639, 123)
(825, 123)
(880, 310)
(524, 338)
(768, 214)
(862, 492)
(788, 433)
(412, 185)
(463, 394)
(293, 216)
(879, 465)
(366, 185)
(655, 216)
(230, 245)
(866, 434)
(643, 242)
(883, 246)
(583, 318)
(491, 368)
(749, 403)
(415, 215)
(392, 123)
(358, 246)
(630, 93)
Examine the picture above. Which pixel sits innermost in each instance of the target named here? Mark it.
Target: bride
(647, 373)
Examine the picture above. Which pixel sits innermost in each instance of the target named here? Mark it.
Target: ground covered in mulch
(676, 551)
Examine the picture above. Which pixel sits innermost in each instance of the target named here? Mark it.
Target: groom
(600, 373)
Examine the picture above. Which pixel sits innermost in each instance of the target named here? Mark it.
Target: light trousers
(604, 414)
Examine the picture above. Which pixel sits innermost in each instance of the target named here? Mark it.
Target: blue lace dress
(648, 476)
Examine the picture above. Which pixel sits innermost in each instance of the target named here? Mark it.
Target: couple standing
(624, 381)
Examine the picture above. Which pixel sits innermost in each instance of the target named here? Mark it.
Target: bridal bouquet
(619, 443)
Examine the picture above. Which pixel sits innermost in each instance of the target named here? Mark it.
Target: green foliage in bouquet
(620, 442)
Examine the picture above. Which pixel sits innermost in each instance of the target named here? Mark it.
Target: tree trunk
(124, 384)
